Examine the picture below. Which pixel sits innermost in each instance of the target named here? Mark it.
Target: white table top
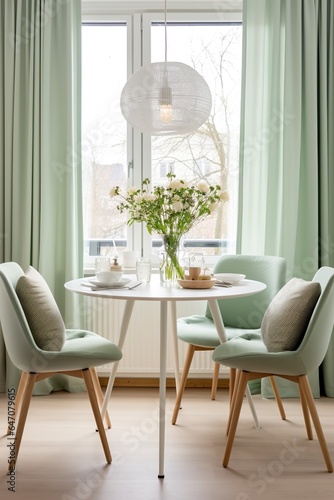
(155, 290)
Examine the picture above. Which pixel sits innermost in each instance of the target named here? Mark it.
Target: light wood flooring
(61, 457)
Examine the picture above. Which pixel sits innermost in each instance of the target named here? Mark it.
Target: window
(113, 154)
(104, 131)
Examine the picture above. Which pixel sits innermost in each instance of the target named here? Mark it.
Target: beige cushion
(41, 310)
(286, 319)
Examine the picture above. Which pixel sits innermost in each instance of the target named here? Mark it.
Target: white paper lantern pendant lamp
(166, 98)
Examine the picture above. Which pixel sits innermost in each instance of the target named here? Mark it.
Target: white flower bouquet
(171, 211)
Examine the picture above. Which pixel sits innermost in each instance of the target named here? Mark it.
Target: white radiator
(141, 347)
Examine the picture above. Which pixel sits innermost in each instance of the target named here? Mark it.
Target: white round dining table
(164, 293)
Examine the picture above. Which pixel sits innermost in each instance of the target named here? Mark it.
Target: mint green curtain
(287, 141)
(40, 157)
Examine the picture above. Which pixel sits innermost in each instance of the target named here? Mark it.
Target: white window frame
(159, 17)
(138, 52)
(134, 147)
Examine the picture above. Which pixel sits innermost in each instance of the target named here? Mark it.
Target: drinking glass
(143, 270)
(102, 264)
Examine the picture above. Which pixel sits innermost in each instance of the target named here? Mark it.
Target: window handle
(130, 167)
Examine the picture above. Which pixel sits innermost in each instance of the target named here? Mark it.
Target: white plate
(100, 284)
(230, 277)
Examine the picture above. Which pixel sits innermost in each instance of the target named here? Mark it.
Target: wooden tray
(199, 284)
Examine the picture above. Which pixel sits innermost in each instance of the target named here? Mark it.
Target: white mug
(130, 258)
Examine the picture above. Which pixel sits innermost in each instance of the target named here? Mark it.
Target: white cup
(130, 258)
(109, 277)
(194, 272)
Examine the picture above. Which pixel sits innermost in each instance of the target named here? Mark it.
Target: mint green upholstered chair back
(247, 312)
(248, 352)
(17, 335)
(82, 348)
(313, 348)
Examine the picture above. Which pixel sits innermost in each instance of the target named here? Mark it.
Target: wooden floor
(61, 457)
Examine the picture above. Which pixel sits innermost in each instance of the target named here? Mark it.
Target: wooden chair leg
(215, 380)
(97, 414)
(233, 374)
(25, 398)
(236, 379)
(186, 368)
(306, 413)
(18, 400)
(239, 396)
(306, 389)
(99, 394)
(277, 397)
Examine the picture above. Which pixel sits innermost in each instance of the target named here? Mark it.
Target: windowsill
(89, 271)
(89, 265)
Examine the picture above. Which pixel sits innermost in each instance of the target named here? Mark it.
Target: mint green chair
(249, 355)
(80, 353)
(239, 314)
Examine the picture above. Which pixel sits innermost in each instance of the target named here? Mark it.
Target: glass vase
(171, 269)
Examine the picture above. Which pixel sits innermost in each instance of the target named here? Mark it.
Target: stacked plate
(100, 284)
(231, 278)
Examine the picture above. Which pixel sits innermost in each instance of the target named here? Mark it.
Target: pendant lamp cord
(165, 30)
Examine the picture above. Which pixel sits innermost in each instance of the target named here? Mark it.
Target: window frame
(182, 17)
(138, 53)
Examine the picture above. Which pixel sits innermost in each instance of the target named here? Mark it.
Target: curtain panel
(40, 162)
(287, 162)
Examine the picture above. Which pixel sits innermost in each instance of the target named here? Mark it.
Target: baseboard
(154, 382)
